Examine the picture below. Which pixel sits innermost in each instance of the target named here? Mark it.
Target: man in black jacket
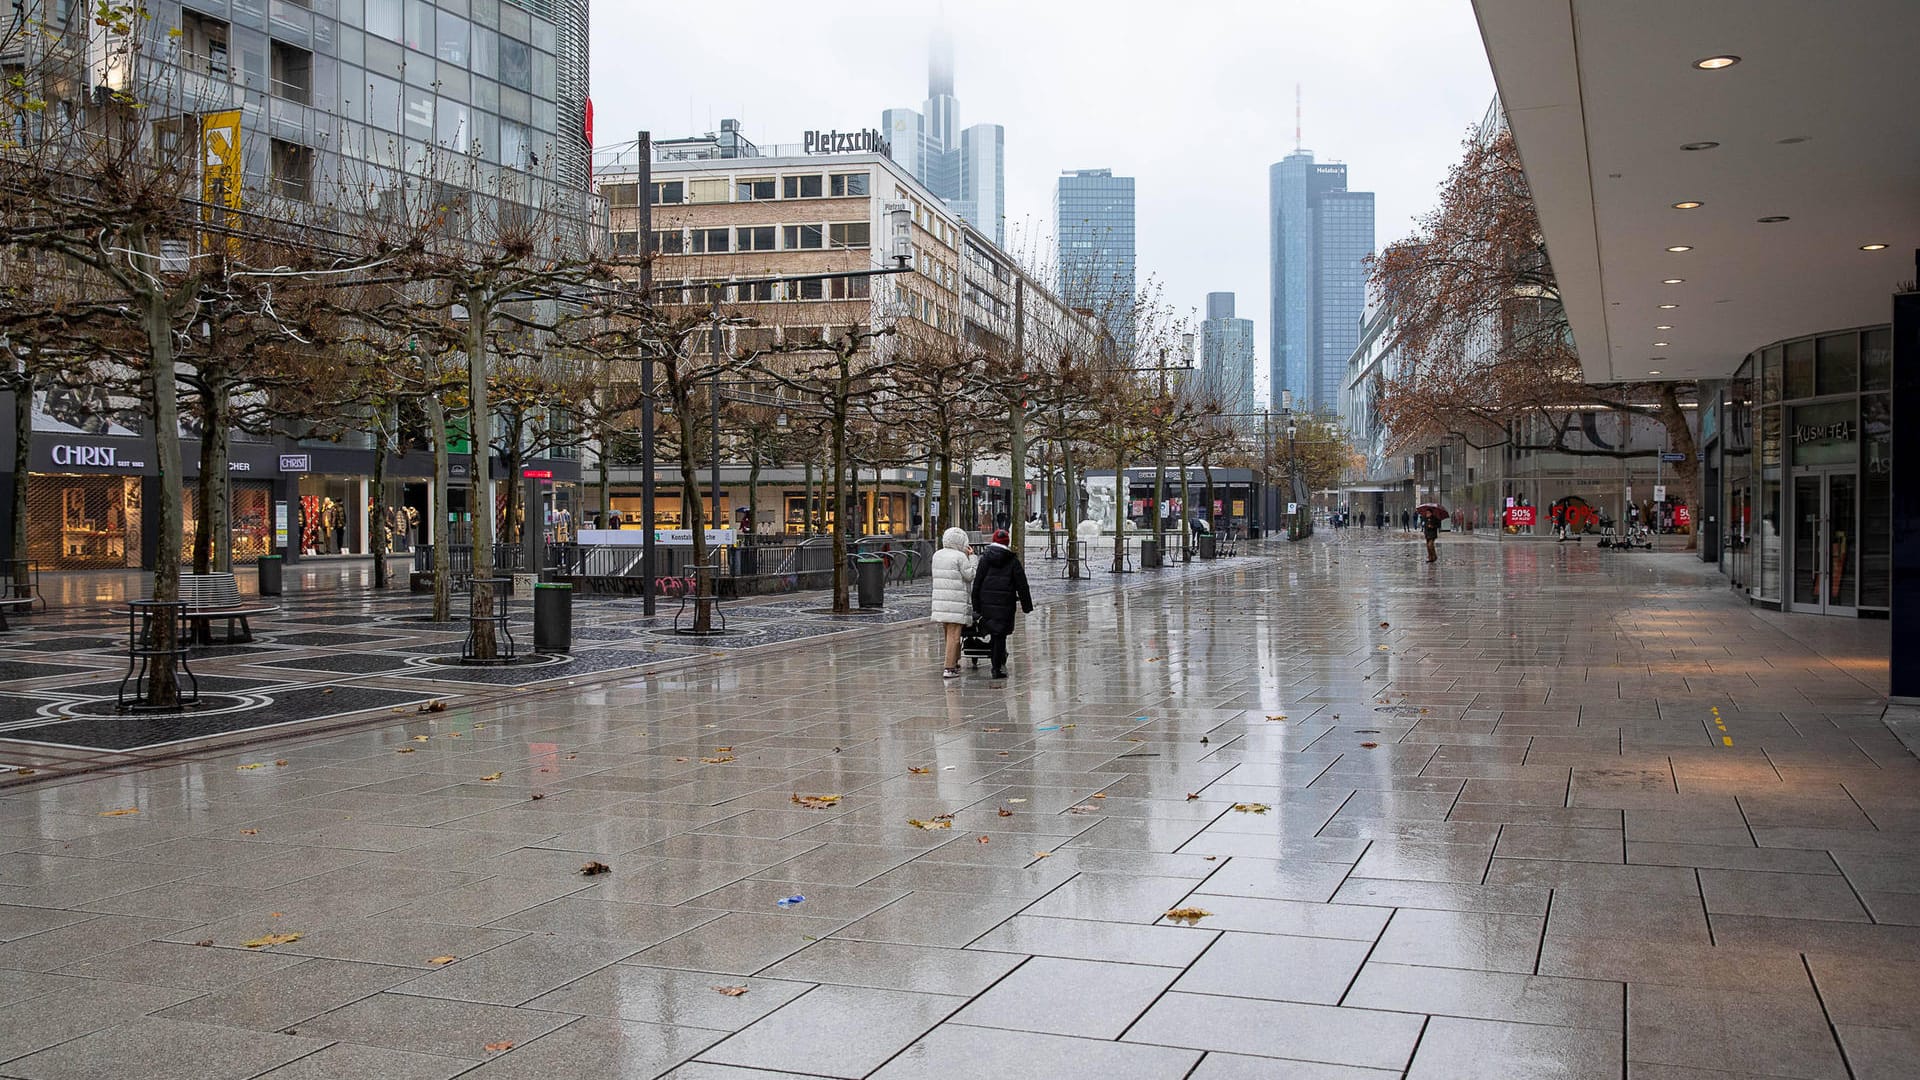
(998, 583)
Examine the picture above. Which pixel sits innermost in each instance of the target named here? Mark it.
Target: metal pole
(1160, 473)
(713, 405)
(648, 599)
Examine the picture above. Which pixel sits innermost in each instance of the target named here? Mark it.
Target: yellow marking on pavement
(1725, 738)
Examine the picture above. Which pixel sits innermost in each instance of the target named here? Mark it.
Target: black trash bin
(552, 617)
(271, 567)
(1209, 549)
(1150, 554)
(870, 575)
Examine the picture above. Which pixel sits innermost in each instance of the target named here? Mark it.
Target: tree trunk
(1046, 502)
(203, 490)
(157, 321)
(1017, 499)
(694, 508)
(218, 509)
(378, 496)
(1680, 438)
(1122, 491)
(1206, 467)
(22, 461)
(947, 514)
(753, 493)
(442, 479)
(858, 514)
(839, 496)
(1186, 509)
(606, 485)
(806, 508)
(1067, 480)
(480, 487)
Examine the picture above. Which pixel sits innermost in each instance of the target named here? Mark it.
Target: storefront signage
(537, 474)
(92, 457)
(1659, 493)
(1682, 518)
(280, 524)
(993, 481)
(1839, 431)
(239, 466)
(296, 463)
(869, 141)
(1520, 517)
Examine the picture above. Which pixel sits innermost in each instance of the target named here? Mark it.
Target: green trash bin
(271, 569)
(870, 576)
(552, 617)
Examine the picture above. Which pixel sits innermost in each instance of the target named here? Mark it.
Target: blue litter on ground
(1050, 727)
(789, 901)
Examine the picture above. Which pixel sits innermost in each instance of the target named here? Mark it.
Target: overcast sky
(1193, 98)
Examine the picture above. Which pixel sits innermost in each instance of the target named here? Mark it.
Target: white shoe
(950, 673)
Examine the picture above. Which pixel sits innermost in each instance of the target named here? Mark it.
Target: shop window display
(83, 522)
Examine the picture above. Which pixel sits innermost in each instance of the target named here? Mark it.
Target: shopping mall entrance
(1825, 550)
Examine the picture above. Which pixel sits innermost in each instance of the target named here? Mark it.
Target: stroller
(973, 641)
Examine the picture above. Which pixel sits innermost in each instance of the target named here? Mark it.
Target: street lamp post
(1293, 482)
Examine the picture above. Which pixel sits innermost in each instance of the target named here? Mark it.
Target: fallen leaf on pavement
(1083, 808)
(255, 765)
(814, 802)
(503, 1044)
(1099, 794)
(404, 750)
(681, 759)
(984, 840)
(1043, 854)
(721, 760)
(594, 867)
(1383, 626)
(919, 770)
(276, 914)
(1192, 796)
(1210, 858)
(723, 749)
(1188, 915)
(205, 943)
(249, 832)
(120, 813)
(282, 763)
(1278, 716)
(538, 795)
(434, 706)
(265, 940)
(423, 738)
(1252, 807)
(442, 959)
(1369, 745)
(1004, 812)
(490, 778)
(1015, 801)
(451, 735)
(730, 991)
(993, 730)
(934, 824)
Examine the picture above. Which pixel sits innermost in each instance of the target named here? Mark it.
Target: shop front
(85, 500)
(1804, 469)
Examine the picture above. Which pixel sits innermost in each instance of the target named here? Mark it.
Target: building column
(1905, 411)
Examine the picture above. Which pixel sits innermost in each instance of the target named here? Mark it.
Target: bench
(11, 603)
(209, 598)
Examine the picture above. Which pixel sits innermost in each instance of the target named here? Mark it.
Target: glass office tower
(1093, 224)
(1320, 235)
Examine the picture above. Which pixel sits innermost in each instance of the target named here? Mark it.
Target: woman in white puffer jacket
(953, 593)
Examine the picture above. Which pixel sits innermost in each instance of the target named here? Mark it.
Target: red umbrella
(1433, 510)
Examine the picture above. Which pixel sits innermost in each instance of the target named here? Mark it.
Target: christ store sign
(90, 457)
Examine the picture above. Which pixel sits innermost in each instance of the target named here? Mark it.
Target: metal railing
(768, 566)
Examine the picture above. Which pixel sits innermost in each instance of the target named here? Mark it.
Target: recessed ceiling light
(1672, 281)
(1681, 247)
(1698, 145)
(1793, 139)
(1715, 63)
(1873, 247)
(1772, 219)
(1663, 328)
(1654, 371)
(1689, 204)
(1668, 307)
(1660, 344)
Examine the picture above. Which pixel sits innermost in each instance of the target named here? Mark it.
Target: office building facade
(1320, 235)
(964, 167)
(1093, 214)
(1226, 354)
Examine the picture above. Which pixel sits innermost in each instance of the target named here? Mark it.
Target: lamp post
(1293, 482)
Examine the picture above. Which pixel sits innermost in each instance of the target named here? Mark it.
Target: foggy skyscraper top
(965, 167)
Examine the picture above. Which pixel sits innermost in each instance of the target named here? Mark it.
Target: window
(757, 290)
(670, 242)
(851, 288)
(853, 234)
(754, 190)
(516, 64)
(291, 169)
(803, 236)
(626, 243)
(808, 289)
(709, 241)
(383, 18)
(451, 38)
(621, 194)
(802, 187)
(707, 191)
(758, 238)
(419, 26)
(204, 41)
(671, 191)
(849, 184)
(292, 72)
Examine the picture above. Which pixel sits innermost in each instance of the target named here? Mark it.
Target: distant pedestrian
(998, 584)
(953, 575)
(1363, 519)
(1430, 528)
(1406, 521)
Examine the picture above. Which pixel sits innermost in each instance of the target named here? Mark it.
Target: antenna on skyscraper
(1296, 117)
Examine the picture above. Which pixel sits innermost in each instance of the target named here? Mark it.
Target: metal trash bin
(1149, 554)
(552, 617)
(870, 576)
(1209, 547)
(271, 573)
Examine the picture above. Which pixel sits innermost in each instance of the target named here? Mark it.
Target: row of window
(834, 288)
(725, 240)
(756, 189)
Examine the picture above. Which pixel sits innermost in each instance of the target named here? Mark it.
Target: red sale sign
(1681, 518)
(1519, 516)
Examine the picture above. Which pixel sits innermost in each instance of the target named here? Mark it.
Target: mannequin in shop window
(330, 529)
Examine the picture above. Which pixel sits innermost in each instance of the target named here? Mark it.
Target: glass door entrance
(1825, 553)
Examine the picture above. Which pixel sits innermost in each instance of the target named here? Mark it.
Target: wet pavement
(1529, 812)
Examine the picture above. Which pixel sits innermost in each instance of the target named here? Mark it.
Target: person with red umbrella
(1431, 515)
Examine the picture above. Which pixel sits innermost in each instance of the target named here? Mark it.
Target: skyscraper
(1093, 225)
(965, 167)
(1320, 235)
(1226, 354)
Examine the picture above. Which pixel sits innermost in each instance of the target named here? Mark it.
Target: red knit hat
(1000, 536)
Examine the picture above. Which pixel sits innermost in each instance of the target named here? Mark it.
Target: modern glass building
(1226, 354)
(1093, 225)
(1320, 235)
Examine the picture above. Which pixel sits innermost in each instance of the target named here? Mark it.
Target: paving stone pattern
(1471, 820)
